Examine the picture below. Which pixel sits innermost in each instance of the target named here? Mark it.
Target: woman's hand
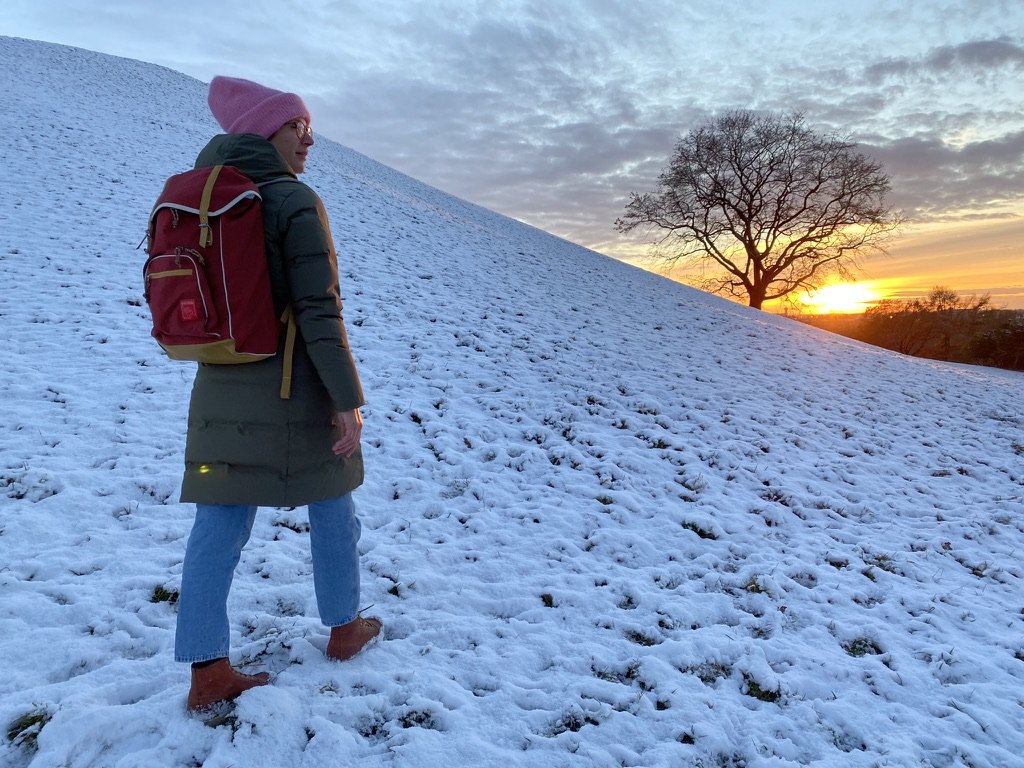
(350, 429)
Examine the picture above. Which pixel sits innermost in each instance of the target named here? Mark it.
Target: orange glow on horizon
(841, 298)
(972, 258)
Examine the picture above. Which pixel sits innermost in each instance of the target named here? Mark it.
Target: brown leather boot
(217, 682)
(349, 639)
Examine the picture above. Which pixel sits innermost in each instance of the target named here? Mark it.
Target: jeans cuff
(200, 657)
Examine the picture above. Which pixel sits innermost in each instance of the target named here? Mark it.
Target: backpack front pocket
(179, 296)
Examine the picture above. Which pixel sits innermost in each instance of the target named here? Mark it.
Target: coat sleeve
(311, 265)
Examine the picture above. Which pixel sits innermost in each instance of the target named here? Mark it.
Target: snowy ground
(608, 520)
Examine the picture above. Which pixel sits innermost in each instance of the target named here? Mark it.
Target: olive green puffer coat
(245, 444)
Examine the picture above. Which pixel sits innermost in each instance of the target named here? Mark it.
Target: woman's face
(293, 140)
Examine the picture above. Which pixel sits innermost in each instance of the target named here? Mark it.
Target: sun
(840, 298)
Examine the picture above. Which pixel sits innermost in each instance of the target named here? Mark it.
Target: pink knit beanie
(242, 106)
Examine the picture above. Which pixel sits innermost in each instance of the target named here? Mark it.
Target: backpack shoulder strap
(288, 317)
(205, 231)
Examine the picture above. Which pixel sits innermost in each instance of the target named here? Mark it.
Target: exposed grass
(573, 721)
(754, 690)
(709, 672)
(641, 638)
(163, 595)
(704, 533)
(862, 646)
(753, 586)
(24, 731)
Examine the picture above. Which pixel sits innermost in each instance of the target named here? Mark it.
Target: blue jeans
(214, 548)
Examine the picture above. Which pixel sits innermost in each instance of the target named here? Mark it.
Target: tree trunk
(756, 295)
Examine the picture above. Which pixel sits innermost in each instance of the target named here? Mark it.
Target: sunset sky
(553, 111)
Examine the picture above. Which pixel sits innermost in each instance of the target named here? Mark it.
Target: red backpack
(206, 278)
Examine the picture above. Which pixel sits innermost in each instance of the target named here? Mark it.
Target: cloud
(554, 117)
(977, 55)
(554, 112)
(547, 113)
(934, 180)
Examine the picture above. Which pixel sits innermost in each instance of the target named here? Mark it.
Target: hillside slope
(608, 520)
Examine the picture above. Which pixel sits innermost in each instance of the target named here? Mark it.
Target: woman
(247, 446)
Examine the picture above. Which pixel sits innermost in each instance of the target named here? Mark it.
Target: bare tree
(775, 205)
(898, 324)
(1003, 344)
(941, 326)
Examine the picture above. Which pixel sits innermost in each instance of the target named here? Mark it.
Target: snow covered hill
(608, 520)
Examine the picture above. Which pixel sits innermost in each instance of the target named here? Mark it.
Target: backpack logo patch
(188, 310)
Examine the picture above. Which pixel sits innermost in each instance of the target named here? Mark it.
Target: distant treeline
(942, 326)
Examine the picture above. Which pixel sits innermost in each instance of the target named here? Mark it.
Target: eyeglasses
(302, 130)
